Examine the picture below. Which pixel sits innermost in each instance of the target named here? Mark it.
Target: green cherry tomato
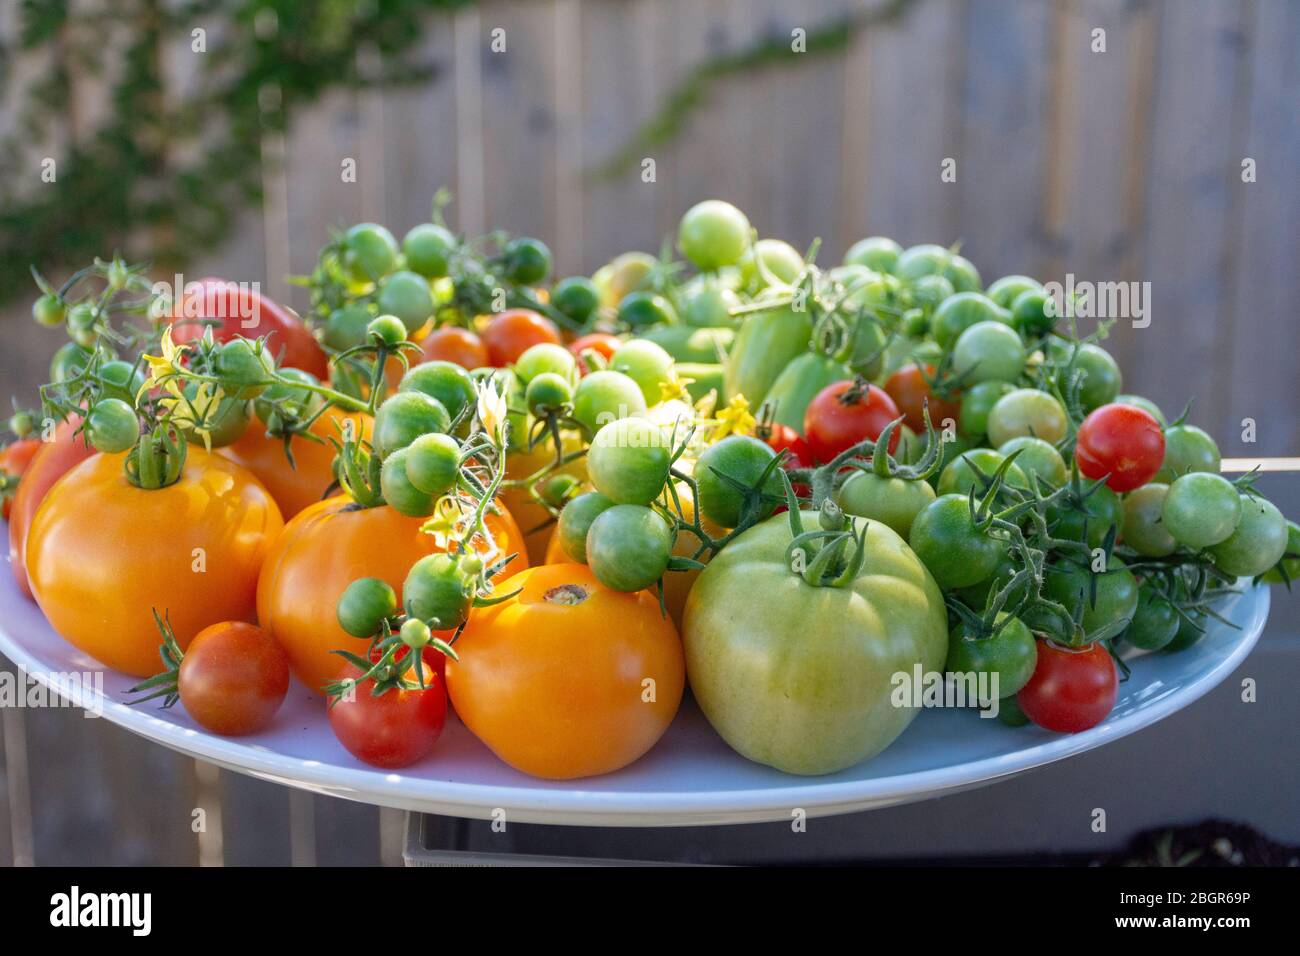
(713, 234)
(946, 540)
(545, 357)
(282, 401)
(1033, 313)
(646, 363)
(959, 312)
(1144, 529)
(439, 590)
(1187, 449)
(575, 521)
(389, 329)
(709, 305)
(406, 295)
(528, 261)
(779, 259)
(1116, 592)
(1026, 412)
(1007, 658)
(1101, 376)
(1036, 457)
(244, 368)
(963, 275)
(642, 309)
(976, 404)
(959, 477)
(1201, 509)
(1257, 543)
(1100, 509)
(415, 634)
(346, 327)
(577, 297)
(628, 461)
(1006, 290)
(1190, 630)
(1143, 403)
(433, 463)
(929, 292)
(988, 351)
(743, 459)
(628, 547)
(406, 416)
(120, 379)
(69, 361)
(978, 595)
(921, 260)
(364, 605)
(428, 249)
(1287, 569)
(892, 501)
(370, 251)
(226, 424)
(450, 384)
(606, 396)
(1010, 714)
(395, 483)
(112, 425)
(1155, 622)
(877, 253)
(547, 393)
(48, 310)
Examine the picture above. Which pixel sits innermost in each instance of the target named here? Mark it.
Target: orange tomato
(101, 553)
(677, 584)
(48, 465)
(555, 553)
(600, 342)
(302, 483)
(14, 459)
(454, 344)
(567, 678)
(514, 331)
(532, 517)
(324, 549)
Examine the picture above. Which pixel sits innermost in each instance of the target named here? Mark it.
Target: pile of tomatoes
(551, 506)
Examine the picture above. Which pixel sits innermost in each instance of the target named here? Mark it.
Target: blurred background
(1115, 140)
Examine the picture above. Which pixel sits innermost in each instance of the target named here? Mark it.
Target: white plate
(691, 777)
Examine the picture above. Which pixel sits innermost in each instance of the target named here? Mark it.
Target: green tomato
(433, 463)
(1007, 658)
(894, 501)
(406, 295)
(389, 329)
(713, 234)
(945, 538)
(364, 606)
(1187, 449)
(921, 260)
(227, 424)
(1190, 630)
(929, 292)
(779, 258)
(370, 251)
(643, 309)
(647, 364)
(1201, 509)
(1144, 529)
(48, 310)
(120, 379)
(406, 416)
(628, 461)
(1101, 376)
(283, 401)
(547, 393)
(1100, 510)
(1155, 622)
(1116, 595)
(1036, 457)
(743, 459)
(575, 521)
(606, 396)
(112, 425)
(709, 305)
(766, 343)
(1143, 403)
(958, 477)
(545, 357)
(69, 361)
(346, 328)
(977, 404)
(959, 312)
(1006, 290)
(428, 249)
(244, 368)
(1033, 313)
(628, 547)
(979, 595)
(527, 261)
(577, 297)
(802, 678)
(1256, 544)
(877, 253)
(450, 384)
(963, 275)
(395, 484)
(1287, 569)
(1027, 412)
(988, 352)
(439, 590)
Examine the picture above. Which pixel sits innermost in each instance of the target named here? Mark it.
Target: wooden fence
(1122, 165)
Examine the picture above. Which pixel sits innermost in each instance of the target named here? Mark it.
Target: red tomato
(601, 342)
(14, 460)
(514, 331)
(231, 309)
(1123, 442)
(233, 678)
(1073, 688)
(394, 729)
(843, 414)
(454, 344)
(910, 391)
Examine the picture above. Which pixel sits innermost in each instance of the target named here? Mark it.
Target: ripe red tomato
(1122, 441)
(1073, 688)
(602, 342)
(14, 459)
(910, 391)
(454, 344)
(514, 331)
(233, 678)
(394, 729)
(232, 309)
(784, 438)
(843, 414)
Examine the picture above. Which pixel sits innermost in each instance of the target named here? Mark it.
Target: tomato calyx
(166, 683)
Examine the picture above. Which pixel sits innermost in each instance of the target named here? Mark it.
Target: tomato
(233, 678)
(643, 308)
(406, 416)
(743, 459)
(1026, 412)
(842, 414)
(1201, 509)
(1187, 449)
(14, 459)
(1257, 543)
(428, 249)
(1006, 290)
(713, 234)
(577, 297)
(766, 343)
(322, 551)
(628, 547)
(449, 383)
(977, 404)
(567, 678)
(621, 275)
(784, 438)
(602, 343)
(800, 677)
(1287, 569)
(779, 259)
(575, 521)
(1155, 622)
(894, 501)
(1007, 658)
(532, 516)
(799, 383)
(945, 538)
(1072, 688)
(513, 331)
(709, 305)
(234, 309)
(432, 463)
(647, 364)
(543, 358)
(628, 461)
(1104, 598)
(395, 729)
(1098, 512)
(877, 253)
(406, 295)
(911, 391)
(101, 553)
(1033, 313)
(1121, 443)
(959, 476)
(364, 606)
(527, 261)
(451, 343)
(370, 251)
(988, 351)
(1145, 404)
(112, 425)
(1144, 529)
(1036, 457)
(959, 312)
(54, 459)
(1101, 378)
(346, 327)
(606, 396)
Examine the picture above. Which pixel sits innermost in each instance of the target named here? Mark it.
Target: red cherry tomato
(514, 331)
(14, 460)
(843, 414)
(232, 309)
(910, 391)
(1123, 442)
(601, 342)
(784, 438)
(1073, 688)
(233, 678)
(454, 344)
(394, 729)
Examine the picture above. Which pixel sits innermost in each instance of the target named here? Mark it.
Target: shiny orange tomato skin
(325, 548)
(556, 690)
(233, 678)
(296, 486)
(102, 553)
(14, 459)
(454, 344)
(514, 331)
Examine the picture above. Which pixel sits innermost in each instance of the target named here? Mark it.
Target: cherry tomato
(1073, 688)
(427, 248)
(233, 678)
(713, 234)
(1009, 655)
(910, 391)
(602, 343)
(1201, 509)
(577, 297)
(628, 461)
(956, 552)
(527, 261)
(606, 396)
(14, 460)
(843, 414)
(406, 295)
(784, 438)
(451, 343)
(743, 459)
(513, 332)
(1122, 443)
(395, 729)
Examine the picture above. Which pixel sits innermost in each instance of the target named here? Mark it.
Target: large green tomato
(802, 678)
(766, 343)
